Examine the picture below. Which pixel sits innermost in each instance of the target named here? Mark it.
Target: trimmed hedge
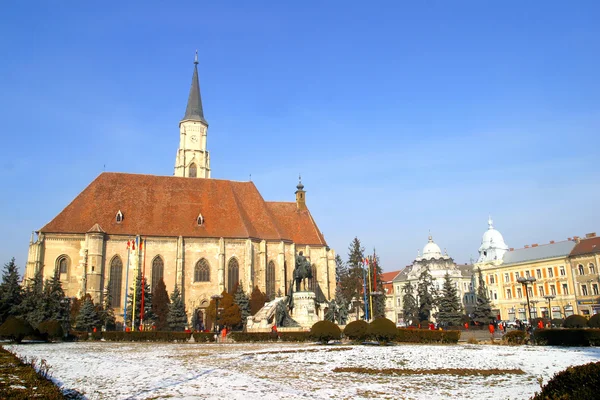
(405, 335)
(575, 321)
(567, 337)
(357, 331)
(203, 337)
(294, 336)
(324, 331)
(382, 330)
(16, 329)
(52, 329)
(515, 337)
(594, 321)
(252, 337)
(580, 382)
(149, 336)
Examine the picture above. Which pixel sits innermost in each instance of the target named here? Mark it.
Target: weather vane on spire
(196, 58)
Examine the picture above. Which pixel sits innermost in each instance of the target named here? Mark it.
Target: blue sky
(401, 116)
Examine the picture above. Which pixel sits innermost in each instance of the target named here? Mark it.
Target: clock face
(194, 138)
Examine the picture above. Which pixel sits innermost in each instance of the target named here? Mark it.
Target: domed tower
(492, 245)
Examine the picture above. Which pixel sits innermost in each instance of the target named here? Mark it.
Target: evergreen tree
(11, 293)
(88, 318)
(160, 306)
(340, 268)
(108, 313)
(55, 303)
(177, 318)
(243, 302)
(352, 281)
(409, 304)
(482, 313)
(32, 307)
(148, 314)
(426, 295)
(257, 300)
(379, 300)
(450, 310)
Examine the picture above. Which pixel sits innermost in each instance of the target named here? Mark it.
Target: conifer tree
(55, 304)
(88, 318)
(379, 300)
(177, 318)
(450, 310)
(160, 305)
(409, 304)
(243, 302)
(340, 268)
(148, 314)
(426, 295)
(108, 313)
(257, 300)
(352, 282)
(482, 313)
(32, 307)
(11, 293)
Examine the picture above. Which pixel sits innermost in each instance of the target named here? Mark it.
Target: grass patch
(20, 379)
(438, 371)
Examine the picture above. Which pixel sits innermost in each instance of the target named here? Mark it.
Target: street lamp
(525, 282)
(216, 298)
(549, 298)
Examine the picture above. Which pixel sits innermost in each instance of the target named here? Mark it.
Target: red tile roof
(387, 278)
(586, 246)
(169, 206)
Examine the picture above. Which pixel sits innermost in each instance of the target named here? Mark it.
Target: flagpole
(143, 244)
(370, 297)
(126, 287)
(134, 285)
(365, 293)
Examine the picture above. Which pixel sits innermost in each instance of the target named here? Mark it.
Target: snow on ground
(104, 370)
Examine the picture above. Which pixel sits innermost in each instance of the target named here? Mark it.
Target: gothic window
(233, 274)
(312, 282)
(200, 220)
(158, 270)
(62, 263)
(592, 269)
(270, 280)
(116, 274)
(119, 217)
(192, 170)
(202, 271)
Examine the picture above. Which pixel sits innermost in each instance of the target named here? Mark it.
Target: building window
(584, 291)
(565, 288)
(119, 217)
(530, 291)
(200, 220)
(116, 274)
(592, 269)
(202, 271)
(158, 269)
(553, 290)
(580, 267)
(519, 293)
(506, 277)
(527, 274)
(550, 273)
(595, 289)
(495, 295)
(538, 272)
(233, 274)
(492, 279)
(62, 264)
(508, 294)
(192, 170)
(540, 290)
(562, 270)
(516, 275)
(270, 280)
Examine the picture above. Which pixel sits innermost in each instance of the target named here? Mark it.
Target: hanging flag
(132, 244)
(141, 244)
(128, 245)
(366, 261)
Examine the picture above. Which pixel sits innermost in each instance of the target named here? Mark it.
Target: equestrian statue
(302, 271)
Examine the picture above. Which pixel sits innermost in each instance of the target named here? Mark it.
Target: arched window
(119, 217)
(312, 282)
(592, 269)
(580, 269)
(202, 271)
(270, 280)
(158, 270)
(62, 264)
(233, 274)
(192, 170)
(116, 274)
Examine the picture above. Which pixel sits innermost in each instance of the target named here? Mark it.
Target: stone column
(221, 273)
(93, 259)
(281, 273)
(262, 266)
(249, 264)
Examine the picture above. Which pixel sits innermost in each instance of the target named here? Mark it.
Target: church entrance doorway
(199, 320)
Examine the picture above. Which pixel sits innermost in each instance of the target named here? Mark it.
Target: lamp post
(526, 282)
(549, 298)
(216, 298)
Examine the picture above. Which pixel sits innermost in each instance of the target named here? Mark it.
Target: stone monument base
(304, 312)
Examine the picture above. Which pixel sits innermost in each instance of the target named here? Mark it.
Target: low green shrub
(324, 331)
(52, 329)
(575, 321)
(407, 335)
(252, 337)
(357, 331)
(580, 382)
(594, 321)
(16, 329)
(514, 337)
(567, 337)
(382, 330)
(78, 336)
(556, 322)
(294, 336)
(146, 336)
(204, 337)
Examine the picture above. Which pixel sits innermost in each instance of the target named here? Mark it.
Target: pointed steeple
(194, 110)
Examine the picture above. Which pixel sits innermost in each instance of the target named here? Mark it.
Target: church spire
(194, 110)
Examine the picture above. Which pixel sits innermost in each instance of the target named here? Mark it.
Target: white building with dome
(492, 247)
(439, 264)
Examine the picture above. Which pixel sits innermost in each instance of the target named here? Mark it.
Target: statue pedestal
(304, 312)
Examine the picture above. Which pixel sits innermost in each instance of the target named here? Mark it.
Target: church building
(201, 234)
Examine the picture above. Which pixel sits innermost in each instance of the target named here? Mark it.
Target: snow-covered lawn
(103, 370)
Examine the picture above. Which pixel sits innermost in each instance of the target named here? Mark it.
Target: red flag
(366, 261)
(128, 244)
(141, 244)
